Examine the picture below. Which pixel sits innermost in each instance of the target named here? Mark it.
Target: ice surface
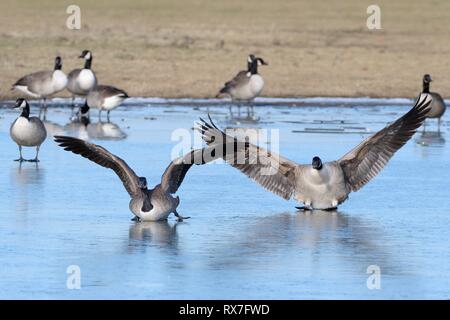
(241, 242)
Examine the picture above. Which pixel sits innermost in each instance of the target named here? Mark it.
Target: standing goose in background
(81, 81)
(43, 84)
(147, 205)
(437, 106)
(105, 98)
(27, 131)
(319, 185)
(246, 85)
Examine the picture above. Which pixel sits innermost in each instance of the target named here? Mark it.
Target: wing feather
(365, 161)
(104, 158)
(270, 170)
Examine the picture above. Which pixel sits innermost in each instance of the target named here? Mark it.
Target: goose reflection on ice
(84, 129)
(26, 183)
(156, 233)
(239, 118)
(53, 128)
(430, 139)
(105, 131)
(306, 237)
(78, 128)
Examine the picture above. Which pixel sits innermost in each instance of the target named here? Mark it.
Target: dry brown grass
(188, 48)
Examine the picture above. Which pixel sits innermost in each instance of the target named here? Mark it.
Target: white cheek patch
(259, 63)
(249, 59)
(23, 104)
(87, 56)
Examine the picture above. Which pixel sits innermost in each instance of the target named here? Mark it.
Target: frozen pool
(242, 241)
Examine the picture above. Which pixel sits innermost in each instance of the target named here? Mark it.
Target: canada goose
(147, 205)
(246, 85)
(43, 84)
(81, 81)
(437, 108)
(105, 98)
(319, 185)
(27, 131)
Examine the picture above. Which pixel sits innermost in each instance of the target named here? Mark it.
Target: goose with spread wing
(320, 185)
(146, 204)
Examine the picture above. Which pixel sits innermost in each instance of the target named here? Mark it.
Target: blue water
(242, 242)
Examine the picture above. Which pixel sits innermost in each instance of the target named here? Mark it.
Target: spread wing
(270, 170)
(104, 158)
(177, 169)
(365, 161)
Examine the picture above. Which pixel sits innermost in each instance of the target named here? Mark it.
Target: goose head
(317, 163)
(426, 83)
(21, 103)
(86, 55)
(255, 63)
(261, 62)
(58, 63)
(143, 183)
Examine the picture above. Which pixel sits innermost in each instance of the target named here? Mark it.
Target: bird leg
(305, 208)
(36, 159)
(21, 159)
(43, 109)
(179, 217)
(107, 115)
(72, 105)
(100, 115)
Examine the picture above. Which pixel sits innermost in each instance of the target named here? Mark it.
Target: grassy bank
(189, 48)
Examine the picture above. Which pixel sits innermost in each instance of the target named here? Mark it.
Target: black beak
(265, 63)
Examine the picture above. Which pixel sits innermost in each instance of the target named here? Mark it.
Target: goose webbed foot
(305, 208)
(136, 219)
(20, 159)
(33, 160)
(179, 217)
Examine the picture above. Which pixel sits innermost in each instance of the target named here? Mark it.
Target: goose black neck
(88, 63)
(254, 67)
(26, 112)
(426, 87)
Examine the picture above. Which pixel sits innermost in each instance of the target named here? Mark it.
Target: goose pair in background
(83, 83)
(43, 84)
(320, 185)
(27, 131)
(146, 204)
(437, 107)
(247, 84)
